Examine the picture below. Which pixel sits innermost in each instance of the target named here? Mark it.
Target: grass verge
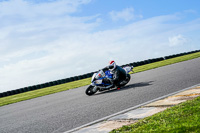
(79, 83)
(181, 118)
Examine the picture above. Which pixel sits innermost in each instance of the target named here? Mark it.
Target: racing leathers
(119, 75)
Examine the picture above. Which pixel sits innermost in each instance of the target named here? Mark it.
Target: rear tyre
(90, 90)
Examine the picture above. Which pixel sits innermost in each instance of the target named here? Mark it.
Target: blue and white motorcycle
(101, 81)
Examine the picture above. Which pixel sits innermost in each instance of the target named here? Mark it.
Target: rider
(119, 74)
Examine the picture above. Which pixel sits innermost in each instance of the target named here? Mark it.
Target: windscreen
(100, 74)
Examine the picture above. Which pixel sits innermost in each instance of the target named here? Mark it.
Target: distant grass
(182, 118)
(166, 62)
(43, 92)
(79, 83)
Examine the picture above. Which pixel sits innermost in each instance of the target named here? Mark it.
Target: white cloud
(126, 14)
(29, 9)
(177, 40)
(37, 30)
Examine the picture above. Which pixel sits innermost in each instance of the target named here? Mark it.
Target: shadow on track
(129, 86)
(141, 84)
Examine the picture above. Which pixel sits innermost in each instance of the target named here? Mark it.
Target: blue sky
(47, 40)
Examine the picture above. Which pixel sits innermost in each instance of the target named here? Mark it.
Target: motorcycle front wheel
(90, 90)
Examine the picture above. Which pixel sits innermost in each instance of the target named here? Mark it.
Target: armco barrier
(87, 75)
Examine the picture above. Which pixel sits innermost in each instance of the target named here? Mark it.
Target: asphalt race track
(70, 109)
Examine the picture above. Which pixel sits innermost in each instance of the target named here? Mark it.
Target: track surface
(70, 109)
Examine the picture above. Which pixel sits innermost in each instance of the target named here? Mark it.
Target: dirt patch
(188, 95)
(110, 125)
(147, 112)
(176, 99)
(190, 92)
(198, 87)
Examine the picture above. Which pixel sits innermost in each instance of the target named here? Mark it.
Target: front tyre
(90, 90)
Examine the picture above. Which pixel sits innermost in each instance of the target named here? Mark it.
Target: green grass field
(79, 83)
(182, 118)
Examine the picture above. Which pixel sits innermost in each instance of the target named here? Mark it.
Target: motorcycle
(101, 81)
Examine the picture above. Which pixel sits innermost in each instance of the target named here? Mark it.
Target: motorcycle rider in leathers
(119, 74)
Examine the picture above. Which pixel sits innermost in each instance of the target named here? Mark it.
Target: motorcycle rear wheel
(90, 91)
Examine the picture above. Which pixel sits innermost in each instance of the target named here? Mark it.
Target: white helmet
(112, 65)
